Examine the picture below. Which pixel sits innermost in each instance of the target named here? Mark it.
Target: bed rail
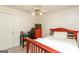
(33, 46)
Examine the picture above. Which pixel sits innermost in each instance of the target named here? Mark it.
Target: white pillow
(60, 35)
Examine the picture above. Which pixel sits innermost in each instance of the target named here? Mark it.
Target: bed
(58, 43)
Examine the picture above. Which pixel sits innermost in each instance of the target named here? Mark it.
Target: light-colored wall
(23, 21)
(67, 18)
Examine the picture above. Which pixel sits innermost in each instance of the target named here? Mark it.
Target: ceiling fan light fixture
(37, 13)
(33, 13)
(40, 13)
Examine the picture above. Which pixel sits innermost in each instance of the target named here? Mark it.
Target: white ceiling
(45, 8)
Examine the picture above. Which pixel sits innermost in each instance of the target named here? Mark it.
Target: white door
(6, 31)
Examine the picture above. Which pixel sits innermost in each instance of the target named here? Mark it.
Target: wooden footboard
(33, 46)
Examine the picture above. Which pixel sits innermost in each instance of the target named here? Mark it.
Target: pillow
(60, 35)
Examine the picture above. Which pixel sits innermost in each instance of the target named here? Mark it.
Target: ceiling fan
(38, 11)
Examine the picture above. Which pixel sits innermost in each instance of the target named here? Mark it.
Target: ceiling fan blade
(44, 10)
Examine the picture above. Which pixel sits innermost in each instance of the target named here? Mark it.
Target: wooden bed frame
(33, 46)
(65, 30)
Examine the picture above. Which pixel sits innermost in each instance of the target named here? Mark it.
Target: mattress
(60, 44)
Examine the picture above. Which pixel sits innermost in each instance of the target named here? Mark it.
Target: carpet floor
(17, 50)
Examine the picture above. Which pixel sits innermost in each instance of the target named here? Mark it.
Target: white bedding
(62, 45)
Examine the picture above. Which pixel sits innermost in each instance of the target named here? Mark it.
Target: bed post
(27, 48)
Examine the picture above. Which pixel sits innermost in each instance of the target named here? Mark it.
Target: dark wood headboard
(65, 30)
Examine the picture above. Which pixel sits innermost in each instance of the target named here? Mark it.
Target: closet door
(6, 31)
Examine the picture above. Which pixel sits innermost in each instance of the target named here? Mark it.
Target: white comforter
(62, 45)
